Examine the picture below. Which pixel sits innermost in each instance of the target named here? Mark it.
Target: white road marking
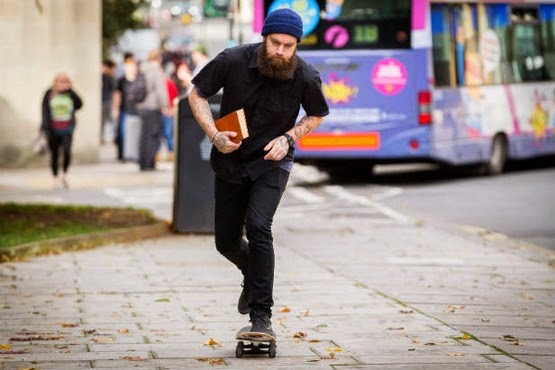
(304, 195)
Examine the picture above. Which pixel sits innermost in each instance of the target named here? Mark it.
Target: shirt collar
(254, 57)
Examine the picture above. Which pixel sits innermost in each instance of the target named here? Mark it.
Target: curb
(84, 241)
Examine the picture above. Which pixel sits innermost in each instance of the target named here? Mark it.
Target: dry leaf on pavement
(133, 358)
(102, 340)
(453, 309)
(212, 342)
(211, 361)
(334, 349)
(65, 325)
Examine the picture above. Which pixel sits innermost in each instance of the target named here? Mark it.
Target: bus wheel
(498, 156)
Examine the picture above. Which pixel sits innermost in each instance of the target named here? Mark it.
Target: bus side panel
(467, 119)
(372, 97)
(533, 109)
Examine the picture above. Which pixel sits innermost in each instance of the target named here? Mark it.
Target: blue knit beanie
(283, 21)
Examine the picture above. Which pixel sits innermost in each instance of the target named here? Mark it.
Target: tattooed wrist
(214, 136)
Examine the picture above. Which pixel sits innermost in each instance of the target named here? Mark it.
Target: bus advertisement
(454, 83)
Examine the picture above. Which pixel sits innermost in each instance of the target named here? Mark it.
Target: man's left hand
(277, 149)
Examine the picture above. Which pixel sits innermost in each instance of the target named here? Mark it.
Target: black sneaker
(243, 304)
(261, 323)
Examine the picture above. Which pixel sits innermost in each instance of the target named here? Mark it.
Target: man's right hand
(222, 142)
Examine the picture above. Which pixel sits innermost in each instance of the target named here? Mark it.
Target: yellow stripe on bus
(370, 140)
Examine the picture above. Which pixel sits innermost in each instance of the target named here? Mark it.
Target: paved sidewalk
(357, 287)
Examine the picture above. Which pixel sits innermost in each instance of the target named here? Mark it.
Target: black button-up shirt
(271, 106)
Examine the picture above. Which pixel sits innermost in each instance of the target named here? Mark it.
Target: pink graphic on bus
(389, 76)
(336, 36)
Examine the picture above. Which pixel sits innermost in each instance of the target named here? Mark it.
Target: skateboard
(254, 343)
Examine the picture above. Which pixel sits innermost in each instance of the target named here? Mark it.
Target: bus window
(494, 45)
(472, 58)
(547, 24)
(527, 59)
(444, 61)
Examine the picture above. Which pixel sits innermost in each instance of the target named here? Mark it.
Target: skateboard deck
(254, 343)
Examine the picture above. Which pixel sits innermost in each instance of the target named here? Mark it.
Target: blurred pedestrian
(199, 57)
(167, 118)
(130, 90)
(108, 88)
(59, 105)
(183, 79)
(151, 109)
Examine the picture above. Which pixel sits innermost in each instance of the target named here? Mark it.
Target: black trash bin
(193, 204)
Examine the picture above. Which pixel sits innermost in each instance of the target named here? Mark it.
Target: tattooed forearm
(201, 110)
(305, 125)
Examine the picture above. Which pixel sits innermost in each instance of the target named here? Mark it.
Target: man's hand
(277, 149)
(222, 141)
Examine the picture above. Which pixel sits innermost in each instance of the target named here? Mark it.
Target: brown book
(234, 121)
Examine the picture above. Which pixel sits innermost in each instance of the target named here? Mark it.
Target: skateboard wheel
(239, 350)
(272, 350)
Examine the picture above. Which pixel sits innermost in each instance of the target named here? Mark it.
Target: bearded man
(270, 82)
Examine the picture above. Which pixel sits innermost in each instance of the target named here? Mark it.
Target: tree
(117, 17)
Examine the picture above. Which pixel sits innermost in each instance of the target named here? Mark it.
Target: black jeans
(54, 143)
(250, 206)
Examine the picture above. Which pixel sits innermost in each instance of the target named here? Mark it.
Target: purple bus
(448, 82)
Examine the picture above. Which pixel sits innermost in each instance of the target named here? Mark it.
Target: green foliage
(117, 17)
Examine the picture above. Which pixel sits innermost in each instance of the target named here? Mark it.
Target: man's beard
(275, 67)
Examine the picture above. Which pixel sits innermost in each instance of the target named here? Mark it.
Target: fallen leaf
(35, 338)
(300, 335)
(102, 340)
(465, 337)
(211, 361)
(452, 309)
(314, 341)
(123, 331)
(64, 325)
(415, 341)
(5, 346)
(284, 309)
(517, 343)
(406, 312)
(509, 338)
(456, 354)
(430, 344)
(212, 342)
(133, 358)
(163, 300)
(334, 349)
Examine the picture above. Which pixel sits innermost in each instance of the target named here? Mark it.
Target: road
(519, 203)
